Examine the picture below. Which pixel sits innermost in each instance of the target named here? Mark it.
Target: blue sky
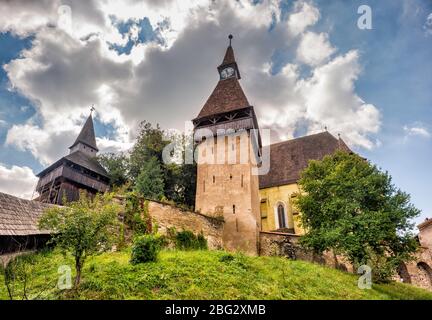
(143, 58)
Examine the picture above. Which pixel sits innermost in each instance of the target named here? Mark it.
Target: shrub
(146, 248)
(186, 240)
(226, 258)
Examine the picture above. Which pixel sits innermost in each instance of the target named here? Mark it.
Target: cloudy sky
(305, 66)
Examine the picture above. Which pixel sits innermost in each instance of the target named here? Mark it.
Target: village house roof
(289, 158)
(87, 135)
(19, 217)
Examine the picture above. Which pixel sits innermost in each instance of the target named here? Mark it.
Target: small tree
(150, 182)
(83, 228)
(149, 144)
(351, 207)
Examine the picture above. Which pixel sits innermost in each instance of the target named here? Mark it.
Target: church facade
(279, 188)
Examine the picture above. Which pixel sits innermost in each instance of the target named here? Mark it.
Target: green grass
(205, 275)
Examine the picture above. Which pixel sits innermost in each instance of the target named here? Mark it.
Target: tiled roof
(229, 56)
(227, 96)
(87, 134)
(425, 224)
(79, 158)
(87, 162)
(289, 158)
(19, 217)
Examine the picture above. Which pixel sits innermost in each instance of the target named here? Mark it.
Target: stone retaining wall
(168, 216)
(287, 245)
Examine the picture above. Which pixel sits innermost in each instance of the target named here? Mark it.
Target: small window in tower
(233, 208)
(214, 179)
(204, 185)
(230, 176)
(242, 181)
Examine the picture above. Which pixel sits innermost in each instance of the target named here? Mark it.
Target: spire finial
(325, 128)
(339, 136)
(230, 38)
(92, 109)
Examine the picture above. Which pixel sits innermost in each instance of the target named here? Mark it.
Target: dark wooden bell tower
(77, 171)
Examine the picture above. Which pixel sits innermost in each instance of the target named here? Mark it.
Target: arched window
(281, 216)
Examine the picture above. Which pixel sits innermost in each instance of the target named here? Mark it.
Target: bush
(146, 248)
(226, 258)
(186, 240)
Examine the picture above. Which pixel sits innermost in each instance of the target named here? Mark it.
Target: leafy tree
(179, 180)
(83, 228)
(352, 208)
(150, 144)
(117, 167)
(150, 181)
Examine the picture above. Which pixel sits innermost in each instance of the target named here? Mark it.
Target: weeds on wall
(187, 240)
(137, 216)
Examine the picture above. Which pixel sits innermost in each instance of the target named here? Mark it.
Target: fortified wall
(287, 245)
(167, 216)
(417, 272)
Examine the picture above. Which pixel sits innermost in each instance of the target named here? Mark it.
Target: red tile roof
(227, 96)
(229, 56)
(289, 158)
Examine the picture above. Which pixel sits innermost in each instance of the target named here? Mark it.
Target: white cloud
(331, 100)
(417, 130)
(305, 14)
(18, 181)
(65, 72)
(314, 48)
(428, 24)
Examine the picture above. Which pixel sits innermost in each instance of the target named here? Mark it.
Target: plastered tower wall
(227, 186)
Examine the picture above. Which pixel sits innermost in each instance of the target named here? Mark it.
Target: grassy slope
(201, 275)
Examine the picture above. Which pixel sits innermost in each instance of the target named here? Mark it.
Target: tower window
(230, 176)
(233, 208)
(204, 185)
(214, 179)
(242, 181)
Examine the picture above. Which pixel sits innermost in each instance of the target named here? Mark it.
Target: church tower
(227, 148)
(77, 171)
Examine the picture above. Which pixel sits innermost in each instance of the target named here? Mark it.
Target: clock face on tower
(227, 72)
